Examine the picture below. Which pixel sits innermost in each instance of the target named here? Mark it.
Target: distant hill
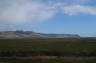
(30, 34)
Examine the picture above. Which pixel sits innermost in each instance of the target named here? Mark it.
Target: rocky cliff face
(30, 34)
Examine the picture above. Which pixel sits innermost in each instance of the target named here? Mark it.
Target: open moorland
(54, 50)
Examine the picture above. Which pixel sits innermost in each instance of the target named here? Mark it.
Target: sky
(49, 16)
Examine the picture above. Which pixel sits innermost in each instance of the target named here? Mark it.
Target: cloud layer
(28, 12)
(18, 12)
(79, 9)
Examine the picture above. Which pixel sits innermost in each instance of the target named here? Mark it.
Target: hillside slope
(30, 34)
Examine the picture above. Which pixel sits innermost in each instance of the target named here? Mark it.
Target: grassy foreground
(58, 60)
(69, 50)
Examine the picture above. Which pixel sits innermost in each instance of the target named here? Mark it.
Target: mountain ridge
(31, 34)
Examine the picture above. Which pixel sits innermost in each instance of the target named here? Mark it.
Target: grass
(46, 45)
(64, 60)
(81, 50)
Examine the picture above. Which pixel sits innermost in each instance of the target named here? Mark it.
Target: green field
(63, 60)
(69, 50)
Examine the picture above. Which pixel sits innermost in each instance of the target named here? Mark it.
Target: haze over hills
(30, 34)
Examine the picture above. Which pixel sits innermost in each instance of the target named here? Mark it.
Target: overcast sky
(49, 16)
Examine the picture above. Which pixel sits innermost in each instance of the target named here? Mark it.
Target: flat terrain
(56, 50)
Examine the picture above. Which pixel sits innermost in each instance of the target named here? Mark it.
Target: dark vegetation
(69, 60)
(12, 49)
(48, 47)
